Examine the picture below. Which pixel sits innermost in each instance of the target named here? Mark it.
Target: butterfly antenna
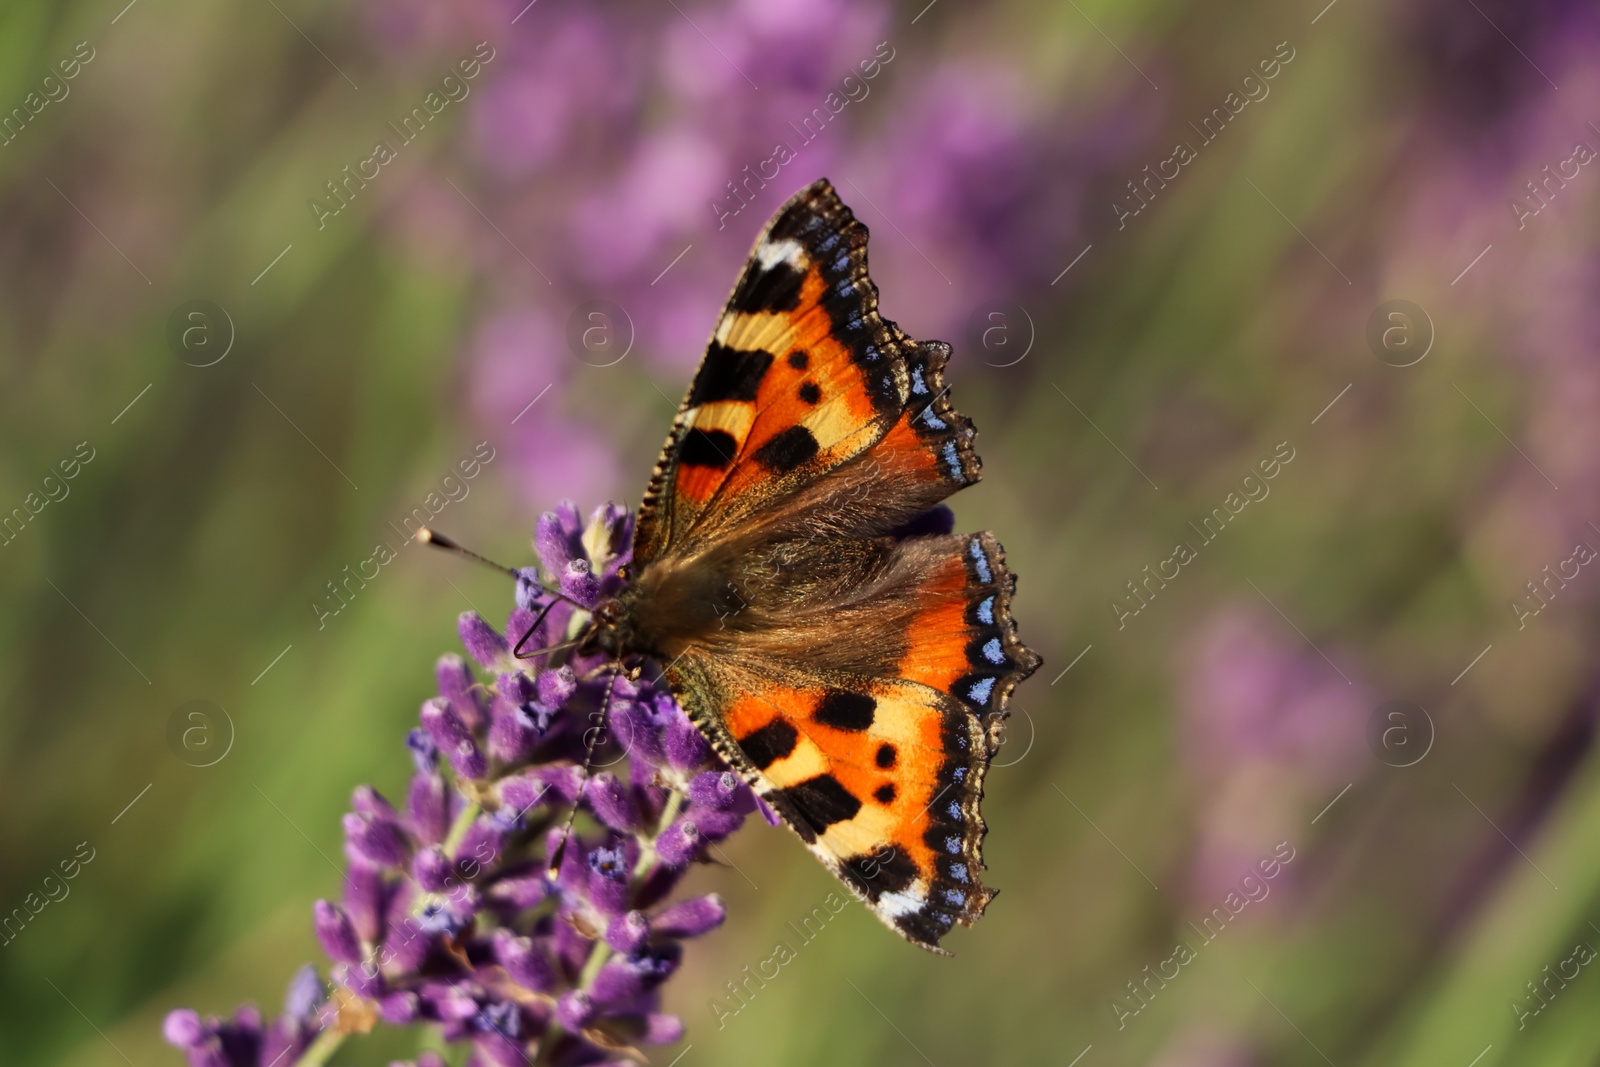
(429, 536)
(591, 738)
(517, 652)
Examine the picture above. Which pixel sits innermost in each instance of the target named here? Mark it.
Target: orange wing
(880, 773)
(801, 376)
(859, 679)
(881, 778)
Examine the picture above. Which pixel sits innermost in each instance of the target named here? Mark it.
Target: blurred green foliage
(184, 559)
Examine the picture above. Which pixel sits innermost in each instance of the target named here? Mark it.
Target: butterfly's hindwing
(881, 778)
(964, 641)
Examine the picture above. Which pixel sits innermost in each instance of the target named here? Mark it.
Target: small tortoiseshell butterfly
(795, 572)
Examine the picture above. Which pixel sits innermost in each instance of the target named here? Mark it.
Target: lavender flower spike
(448, 916)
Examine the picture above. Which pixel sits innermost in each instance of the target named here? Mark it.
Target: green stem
(459, 828)
(323, 1047)
(602, 951)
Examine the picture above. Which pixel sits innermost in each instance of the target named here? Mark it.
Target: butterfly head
(605, 633)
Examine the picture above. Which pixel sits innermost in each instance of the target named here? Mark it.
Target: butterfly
(795, 571)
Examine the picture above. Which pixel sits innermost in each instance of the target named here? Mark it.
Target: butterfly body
(796, 575)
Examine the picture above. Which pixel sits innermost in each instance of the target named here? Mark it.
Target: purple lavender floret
(450, 915)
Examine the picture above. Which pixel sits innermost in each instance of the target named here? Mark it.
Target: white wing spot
(907, 902)
(788, 250)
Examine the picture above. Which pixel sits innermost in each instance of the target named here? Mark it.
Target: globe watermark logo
(1001, 332)
(1399, 333)
(1400, 733)
(200, 733)
(600, 333)
(200, 333)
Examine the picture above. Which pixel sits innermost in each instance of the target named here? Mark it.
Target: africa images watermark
(55, 890)
(53, 89)
(852, 89)
(1541, 595)
(1543, 993)
(742, 992)
(1211, 126)
(55, 489)
(1252, 889)
(343, 590)
(1542, 193)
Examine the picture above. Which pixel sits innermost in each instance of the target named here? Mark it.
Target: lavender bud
(661, 1029)
(363, 979)
(456, 685)
(575, 1010)
(607, 886)
(628, 932)
(432, 869)
(428, 808)
(556, 687)
(613, 803)
(502, 1018)
(579, 583)
(529, 589)
(680, 843)
(304, 996)
(527, 961)
(424, 753)
(382, 844)
(639, 736)
(618, 983)
(481, 845)
(551, 784)
(450, 733)
(364, 899)
(449, 1001)
(483, 643)
(609, 527)
(336, 933)
(443, 723)
(690, 918)
(405, 947)
(716, 825)
(767, 812)
(714, 790)
(400, 1009)
(369, 802)
(556, 538)
(523, 892)
(183, 1029)
(686, 749)
(516, 730)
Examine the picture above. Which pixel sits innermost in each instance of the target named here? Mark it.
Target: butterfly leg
(593, 737)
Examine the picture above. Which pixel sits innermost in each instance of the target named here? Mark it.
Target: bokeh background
(1127, 372)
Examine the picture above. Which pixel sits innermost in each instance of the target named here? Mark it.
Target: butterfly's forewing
(801, 375)
(857, 683)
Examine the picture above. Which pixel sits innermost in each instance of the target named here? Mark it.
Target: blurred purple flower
(450, 915)
(1270, 729)
(1204, 1045)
